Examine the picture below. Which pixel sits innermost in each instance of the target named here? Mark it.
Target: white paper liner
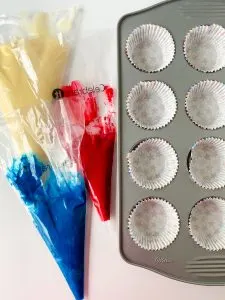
(150, 48)
(151, 105)
(153, 164)
(207, 224)
(153, 224)
(207, 163)
(204, 48)
(205, 104)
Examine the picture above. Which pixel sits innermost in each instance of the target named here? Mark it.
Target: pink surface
(25, 264)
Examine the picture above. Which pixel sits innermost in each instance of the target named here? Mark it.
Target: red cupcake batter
(97, 148)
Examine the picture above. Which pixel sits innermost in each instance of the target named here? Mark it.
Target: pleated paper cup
(153, 164)
(207, 163)
(205, 104)
(151, 105)
(153, 224)
(204, 48)
(207, 224)
(150, 48)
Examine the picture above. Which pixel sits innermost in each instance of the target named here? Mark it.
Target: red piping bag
(97, 146)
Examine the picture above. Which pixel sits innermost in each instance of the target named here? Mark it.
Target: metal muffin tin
(183, 260)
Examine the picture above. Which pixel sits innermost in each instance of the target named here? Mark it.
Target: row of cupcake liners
(151, 48)
(204, 104)
(154, 224)
(153, 163)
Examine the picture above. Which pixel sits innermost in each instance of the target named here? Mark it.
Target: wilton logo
(59, 93)
(163, 260)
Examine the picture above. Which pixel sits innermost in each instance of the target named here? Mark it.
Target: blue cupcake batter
(57, 203)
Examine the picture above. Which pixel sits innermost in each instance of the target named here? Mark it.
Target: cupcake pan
(184, 259)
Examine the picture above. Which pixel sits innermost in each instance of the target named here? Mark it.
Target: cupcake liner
(153, 164)
(205, 104)
(153, 224)
(204, 48)
(151, 105)
(207, 163)
(150, 48)
(207, 224)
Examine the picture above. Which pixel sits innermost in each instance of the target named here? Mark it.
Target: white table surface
(27, 270)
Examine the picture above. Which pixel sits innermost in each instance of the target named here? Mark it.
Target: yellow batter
(30, 69)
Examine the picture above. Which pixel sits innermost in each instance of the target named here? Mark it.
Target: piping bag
(33, 55)
(97, 146)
